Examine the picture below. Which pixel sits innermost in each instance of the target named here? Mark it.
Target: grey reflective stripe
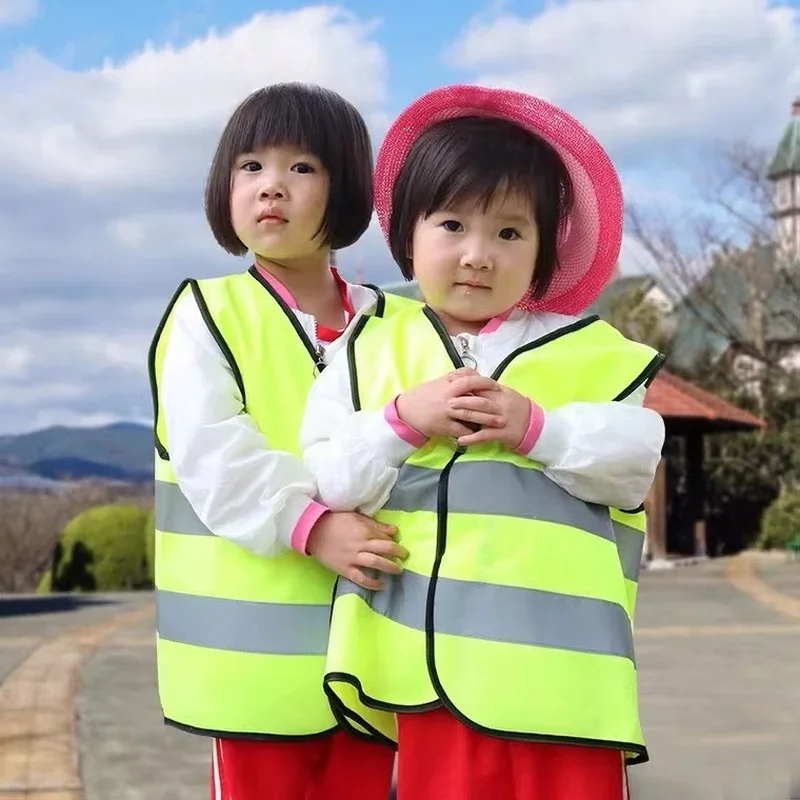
(502, 488)
(502, 613)
(173, 512)
(630, 543)
(242, 625)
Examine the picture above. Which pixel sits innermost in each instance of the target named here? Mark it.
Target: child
(501, 437)
(245, 557)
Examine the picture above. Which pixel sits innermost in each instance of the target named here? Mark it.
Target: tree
(724, 260)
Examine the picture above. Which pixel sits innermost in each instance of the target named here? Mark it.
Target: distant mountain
(121, 451)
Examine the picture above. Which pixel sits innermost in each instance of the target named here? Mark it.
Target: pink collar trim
(493, 324)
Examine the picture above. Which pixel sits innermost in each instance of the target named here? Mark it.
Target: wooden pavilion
(693, 413)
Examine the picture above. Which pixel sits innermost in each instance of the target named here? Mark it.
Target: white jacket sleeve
(237, 485)
(603, 453)
(353, 455)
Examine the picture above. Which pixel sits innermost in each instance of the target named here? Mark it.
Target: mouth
(270, 217)
(473, 285)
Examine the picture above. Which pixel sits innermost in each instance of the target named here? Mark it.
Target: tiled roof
(675, 397)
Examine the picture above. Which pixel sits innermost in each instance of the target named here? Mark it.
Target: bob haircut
(311, 118)
(475, 159)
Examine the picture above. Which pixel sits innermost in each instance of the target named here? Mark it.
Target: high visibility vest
(515, 607)
(241, 638)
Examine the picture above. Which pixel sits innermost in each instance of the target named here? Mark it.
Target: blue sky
(110, 115)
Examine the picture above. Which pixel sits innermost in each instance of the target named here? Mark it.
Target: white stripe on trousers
(215, 770)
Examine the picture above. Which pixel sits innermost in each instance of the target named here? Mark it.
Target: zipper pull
(466, 357)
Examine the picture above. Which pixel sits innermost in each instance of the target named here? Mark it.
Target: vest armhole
(644, 378)
(218, 338)
(151, 365)
(380, 305)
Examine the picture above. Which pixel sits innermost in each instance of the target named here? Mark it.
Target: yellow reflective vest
(241, 638)
(515, 607)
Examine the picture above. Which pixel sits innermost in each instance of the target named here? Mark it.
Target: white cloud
(101, 178)
(640, 73)
(17, 12)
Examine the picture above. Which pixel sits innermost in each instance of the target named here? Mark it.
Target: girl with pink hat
(506, 440)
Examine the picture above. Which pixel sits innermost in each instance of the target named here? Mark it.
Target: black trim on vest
(307, 343)
(380, 307)
(645, 377)
(218, 338)
(261, 737)
(151, 366)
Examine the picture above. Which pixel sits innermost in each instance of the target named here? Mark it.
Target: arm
(262, 499)
(354, 455)
(603, 453)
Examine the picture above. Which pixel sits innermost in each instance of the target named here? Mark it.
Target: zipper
(319, 364)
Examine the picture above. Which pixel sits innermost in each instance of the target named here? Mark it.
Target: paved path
(719, 665)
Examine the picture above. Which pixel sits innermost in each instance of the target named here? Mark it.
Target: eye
(303, 167)
(452, 225)
(250, 166)
(509, 234)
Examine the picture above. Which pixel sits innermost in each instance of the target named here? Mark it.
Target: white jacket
(604, 453)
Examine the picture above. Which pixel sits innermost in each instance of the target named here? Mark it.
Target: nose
(270, 187)
(476, 254)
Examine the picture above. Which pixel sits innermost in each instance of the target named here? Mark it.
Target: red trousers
(333, 767)
(440, 758)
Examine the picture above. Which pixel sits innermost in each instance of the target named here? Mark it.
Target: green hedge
(102, 549)
(781, 522)
(150, 545)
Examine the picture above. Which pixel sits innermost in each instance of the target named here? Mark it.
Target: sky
(111, 112)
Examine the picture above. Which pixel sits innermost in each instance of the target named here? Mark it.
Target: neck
(455, 326)
(307, 279)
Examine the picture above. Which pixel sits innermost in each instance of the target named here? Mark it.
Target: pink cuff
(302, 529)
(408, 434)
(535, 425)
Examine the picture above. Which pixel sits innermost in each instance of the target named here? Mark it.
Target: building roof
(688, 408)
(787, 157)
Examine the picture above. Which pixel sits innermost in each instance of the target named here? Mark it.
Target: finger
(379, 563)
(456, 429)
(385, 547)
(479, 437)
(460, 373)
(483, 403)
(360, 578)
(382, 527)
(471, 384)
(477, 418)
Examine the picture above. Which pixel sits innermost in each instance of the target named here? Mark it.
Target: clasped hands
(455, 404)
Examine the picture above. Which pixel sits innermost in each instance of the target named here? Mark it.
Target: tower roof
(787, 157)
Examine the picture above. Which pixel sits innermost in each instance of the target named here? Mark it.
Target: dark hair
(474, 158)
(314, 119)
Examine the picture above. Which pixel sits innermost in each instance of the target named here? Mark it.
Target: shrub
(102, 549)
(781, 522)
(150, 545)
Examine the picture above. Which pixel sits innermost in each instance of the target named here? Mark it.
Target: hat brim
(590, 245)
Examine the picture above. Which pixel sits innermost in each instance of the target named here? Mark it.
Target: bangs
(281, 116)
(478, 168)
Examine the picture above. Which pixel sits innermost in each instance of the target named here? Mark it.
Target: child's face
(278, 199)
(472, 265)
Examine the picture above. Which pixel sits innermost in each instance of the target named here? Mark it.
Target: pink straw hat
(592, 237)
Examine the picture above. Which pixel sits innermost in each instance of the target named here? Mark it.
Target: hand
(514, 408)
(428, 407)
(347, 542)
